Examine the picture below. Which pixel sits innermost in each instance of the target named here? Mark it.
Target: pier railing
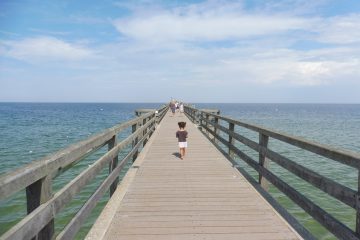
(36, 178)
(216, 126)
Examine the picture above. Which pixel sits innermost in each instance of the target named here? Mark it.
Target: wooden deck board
(200, 197)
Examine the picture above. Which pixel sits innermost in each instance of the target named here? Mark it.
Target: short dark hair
(182, 124)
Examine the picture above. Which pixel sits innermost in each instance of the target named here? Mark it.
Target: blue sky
(197, 51)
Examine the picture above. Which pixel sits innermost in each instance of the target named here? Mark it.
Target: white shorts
(182, 144)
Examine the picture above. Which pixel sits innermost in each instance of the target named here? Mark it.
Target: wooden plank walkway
(200, 197)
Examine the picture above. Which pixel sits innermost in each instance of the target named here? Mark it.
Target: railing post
(144, 132)
(263, 161)
(38, 193)
(357, 230)
(216, 131)
(231, 140)
(133, 129)
(152, 124)
(207, 123)
(200, 116)
(157, 117)
(112, 165)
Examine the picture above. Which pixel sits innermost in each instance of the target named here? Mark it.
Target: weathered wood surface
(200, 197)
(139, 112)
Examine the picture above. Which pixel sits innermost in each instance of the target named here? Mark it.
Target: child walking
(181, 134)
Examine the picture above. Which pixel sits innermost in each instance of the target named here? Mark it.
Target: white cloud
(205, 28)
(209, 21)
(282, 67)
(260, 50)
(45, 48)
(339, 29)
(231, 21)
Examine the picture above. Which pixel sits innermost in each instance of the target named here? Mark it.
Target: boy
(182, 135)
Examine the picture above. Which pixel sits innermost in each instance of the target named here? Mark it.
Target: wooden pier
(200, 197)
(208, 195)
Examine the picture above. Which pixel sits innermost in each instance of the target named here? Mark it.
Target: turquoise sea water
(29, 131)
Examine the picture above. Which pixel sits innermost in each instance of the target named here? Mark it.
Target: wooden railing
(212, 124)
(36, 178)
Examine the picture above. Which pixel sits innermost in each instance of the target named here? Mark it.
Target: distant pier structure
(208, 195)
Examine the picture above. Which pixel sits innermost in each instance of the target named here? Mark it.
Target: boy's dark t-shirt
(182, 135)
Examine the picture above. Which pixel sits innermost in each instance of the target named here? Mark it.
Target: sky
(260, 51)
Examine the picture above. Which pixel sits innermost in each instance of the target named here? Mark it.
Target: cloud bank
(216, 46)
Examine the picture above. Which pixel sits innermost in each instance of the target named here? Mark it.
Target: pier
(205, 196)
(200, 197)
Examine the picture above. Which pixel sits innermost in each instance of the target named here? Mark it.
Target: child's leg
(184, 151)
(181, 152)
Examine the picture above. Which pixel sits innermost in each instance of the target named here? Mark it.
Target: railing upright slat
(135, 141)
(207, 123)
(357, 226)
(36, 194)
(144, 131)
(216, 121)
(263, 161)
(112, 165)
(231, 139)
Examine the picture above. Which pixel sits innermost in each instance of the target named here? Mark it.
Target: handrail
(22, 177)
(343, 156)
(36, 177)
(210, 124)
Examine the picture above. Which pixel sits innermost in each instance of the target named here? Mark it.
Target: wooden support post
(357, 230)
(231, 140)
(216, 131)
(151, 125)
(198, 118)
(112, 165)
(144, 132)
(263, 161)
(157, 118)
(207, 124)
(134, 127)
(38, 193)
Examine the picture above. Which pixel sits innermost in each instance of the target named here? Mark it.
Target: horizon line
(350, 103)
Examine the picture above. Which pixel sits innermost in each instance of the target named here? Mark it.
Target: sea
(29, 131)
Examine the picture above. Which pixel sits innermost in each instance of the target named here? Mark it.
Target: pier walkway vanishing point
(200, 197)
